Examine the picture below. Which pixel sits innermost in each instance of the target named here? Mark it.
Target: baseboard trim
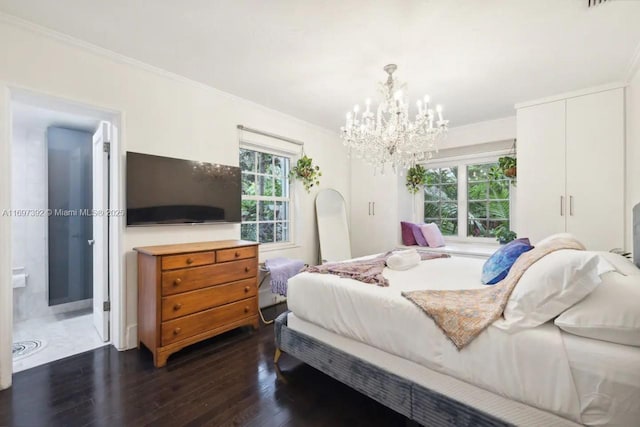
(131, 337)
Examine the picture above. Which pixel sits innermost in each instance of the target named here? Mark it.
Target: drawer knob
(246, 309)
(237, 254)
(177, 306)
(246, 289)
(177, 281)
(189, 260)
(246, 269)
(176, 331)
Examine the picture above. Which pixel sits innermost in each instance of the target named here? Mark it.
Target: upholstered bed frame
(412, 400)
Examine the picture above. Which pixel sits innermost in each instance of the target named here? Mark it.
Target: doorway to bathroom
(60, 230)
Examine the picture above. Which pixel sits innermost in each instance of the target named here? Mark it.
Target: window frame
(293, 158)
(461, 162)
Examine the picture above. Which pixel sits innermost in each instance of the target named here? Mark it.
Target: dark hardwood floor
(228, 380)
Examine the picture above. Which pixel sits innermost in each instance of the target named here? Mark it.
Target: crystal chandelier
(388, 135)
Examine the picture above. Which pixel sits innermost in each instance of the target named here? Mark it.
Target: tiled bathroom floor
(62, 334)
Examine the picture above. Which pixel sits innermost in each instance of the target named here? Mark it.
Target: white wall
(165, 115)
(29, 237)
(632, 96)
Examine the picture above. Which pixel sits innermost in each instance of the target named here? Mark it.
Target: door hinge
(107, 147)
(106, 306)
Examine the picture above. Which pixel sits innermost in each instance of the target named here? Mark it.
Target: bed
(378, 342)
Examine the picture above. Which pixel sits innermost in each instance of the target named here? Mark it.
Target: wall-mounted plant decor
(305, 171)
(416, 178)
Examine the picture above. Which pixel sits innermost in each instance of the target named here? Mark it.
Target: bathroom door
(100, 241)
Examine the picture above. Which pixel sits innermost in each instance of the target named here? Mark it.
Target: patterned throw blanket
(366, 270)
(463, 314)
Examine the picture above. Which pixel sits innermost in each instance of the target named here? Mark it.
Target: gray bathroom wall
(70, 227)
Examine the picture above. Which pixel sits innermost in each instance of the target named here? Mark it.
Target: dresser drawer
(189, 279)
(238, 253)
(193, 324)
(188, 260)
(185, 303)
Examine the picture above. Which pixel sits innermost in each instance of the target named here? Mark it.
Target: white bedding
(530, 366)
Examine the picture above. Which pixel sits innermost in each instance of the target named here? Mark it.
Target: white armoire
(571, 168)
(375, 214)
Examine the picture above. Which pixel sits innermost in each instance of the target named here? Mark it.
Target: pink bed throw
(464, 314)
(366, 270)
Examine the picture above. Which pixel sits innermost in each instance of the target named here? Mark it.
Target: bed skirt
(412, 400)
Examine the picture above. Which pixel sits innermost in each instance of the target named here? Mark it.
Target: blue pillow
(498, 265)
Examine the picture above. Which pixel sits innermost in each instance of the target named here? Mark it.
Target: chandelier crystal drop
(387, 134)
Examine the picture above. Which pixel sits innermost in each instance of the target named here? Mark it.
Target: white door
(595, 169)
(541, 202)
(100, 241)
(374, 205)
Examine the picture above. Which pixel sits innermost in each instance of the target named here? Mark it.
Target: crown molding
(123, 59)
(573, 94)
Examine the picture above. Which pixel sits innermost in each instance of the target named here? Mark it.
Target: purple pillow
(408, 238)
(433, 235)
(417, 234)
(498, 265)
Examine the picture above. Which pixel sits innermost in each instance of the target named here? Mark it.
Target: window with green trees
(488, 200)
(265, 197)
(441, 199)
(467, 198)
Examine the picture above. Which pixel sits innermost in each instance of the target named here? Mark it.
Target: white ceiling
(315, 59)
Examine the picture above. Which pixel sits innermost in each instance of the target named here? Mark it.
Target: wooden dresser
(193, 291)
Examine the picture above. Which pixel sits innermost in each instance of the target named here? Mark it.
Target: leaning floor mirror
(333, 227)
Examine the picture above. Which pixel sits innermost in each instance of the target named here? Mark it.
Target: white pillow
(551, 285)
(621, 264)
(609, 313)
(550, 239)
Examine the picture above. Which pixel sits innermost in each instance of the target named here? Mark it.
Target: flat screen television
(164, 190)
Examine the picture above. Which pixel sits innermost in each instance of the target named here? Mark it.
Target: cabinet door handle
(374, 208)
(561, 205)
(177, 306)
(246, 289)
(571, 205)
(246, 269)
(189, 260)
(177, 281)
(176, 331)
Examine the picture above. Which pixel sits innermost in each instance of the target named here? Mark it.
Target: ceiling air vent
(595, 2)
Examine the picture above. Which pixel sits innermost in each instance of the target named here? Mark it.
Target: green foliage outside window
(265, 197)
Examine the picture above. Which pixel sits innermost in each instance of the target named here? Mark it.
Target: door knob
(91, 242)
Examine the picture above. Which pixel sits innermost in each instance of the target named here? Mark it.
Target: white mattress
(530, 366)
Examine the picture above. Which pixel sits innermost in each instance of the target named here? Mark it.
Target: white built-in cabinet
(571, 168)
(374, 210)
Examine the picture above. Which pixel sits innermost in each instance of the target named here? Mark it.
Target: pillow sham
(553, 284)
(432, 235)
(498, 265)
(408, 238)
(610, 313)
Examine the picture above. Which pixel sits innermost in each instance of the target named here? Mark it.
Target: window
(441, 199)
(488, 198)
(266, 216)
(467, 198)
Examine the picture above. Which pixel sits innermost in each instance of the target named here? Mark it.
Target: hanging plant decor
(305, 171)
(416, 178)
